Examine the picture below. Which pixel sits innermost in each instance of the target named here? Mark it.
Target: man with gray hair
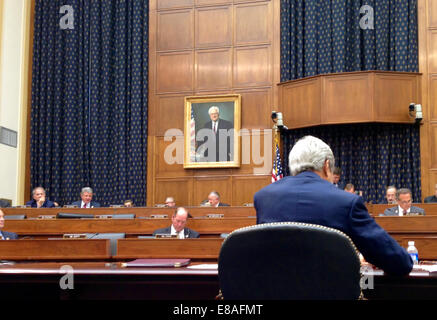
(309, 196)
(214, 200)
(86, 195)
(39, 199)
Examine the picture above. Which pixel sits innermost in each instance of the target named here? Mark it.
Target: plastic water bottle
(412, 251)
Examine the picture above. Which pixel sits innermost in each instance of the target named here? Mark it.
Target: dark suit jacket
(9, 235)
(430, 199)
(189, 233)
(4, 204)
(221, 204)
(222, 125)
(394, 211)
(46, 204)
(94, 204)
(310, 199)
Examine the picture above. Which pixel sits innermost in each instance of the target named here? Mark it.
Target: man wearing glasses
(404, 208)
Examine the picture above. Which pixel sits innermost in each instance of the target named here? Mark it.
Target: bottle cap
(411, 243)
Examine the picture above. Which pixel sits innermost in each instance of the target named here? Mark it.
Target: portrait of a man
(211, 124)
(217, 136)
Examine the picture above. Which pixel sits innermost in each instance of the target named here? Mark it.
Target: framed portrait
(211, 131)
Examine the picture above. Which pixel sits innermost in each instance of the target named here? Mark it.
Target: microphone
(26, 238)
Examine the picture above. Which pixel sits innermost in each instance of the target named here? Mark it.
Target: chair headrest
(289, 261)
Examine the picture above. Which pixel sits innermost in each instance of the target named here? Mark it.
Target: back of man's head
(310, 154)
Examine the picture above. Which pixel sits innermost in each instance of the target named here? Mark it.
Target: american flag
(277, 166)
(192, 137)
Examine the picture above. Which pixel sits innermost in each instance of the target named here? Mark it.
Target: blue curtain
(60, 102)
(371, 156)
(325, 36)
(118, 100)
(89, 100)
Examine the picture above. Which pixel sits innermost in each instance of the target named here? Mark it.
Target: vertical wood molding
(23, 184)
(426, 139)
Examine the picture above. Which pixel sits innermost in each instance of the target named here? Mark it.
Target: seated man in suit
(128, 203)
(404, 199)
(432, 198)
(87, 199)
(214, 200)
(170, 202)
(39, 199)
(336, 174)
(4, 235)
(309, 196)
(4, 204)
(178, 222)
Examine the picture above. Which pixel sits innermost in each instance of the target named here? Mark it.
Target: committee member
(432, 198)
(128, 204)
(222, 137)
(39, 199)
(214, 200)
(336, 174)
(4, 204)
(87, 201)
(178, 222)
(404, 200)
(170, 202)
(309, 196)
(4, 235)
(390, 195)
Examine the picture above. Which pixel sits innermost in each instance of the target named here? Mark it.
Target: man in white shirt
(404, 199)
(178, 222)
(86, 195)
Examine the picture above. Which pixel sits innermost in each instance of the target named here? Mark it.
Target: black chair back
(289, 261)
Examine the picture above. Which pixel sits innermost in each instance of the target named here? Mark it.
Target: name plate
(159, 216)
(165, 236)
(74, 236)
(46, 216)
(103, 216)
(70, 206)
(215, 215)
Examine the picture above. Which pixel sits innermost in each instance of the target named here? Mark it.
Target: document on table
(209, 266)
(425, 267)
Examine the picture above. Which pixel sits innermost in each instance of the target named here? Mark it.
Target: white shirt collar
(181, 234)
(401, 211)
(88, 205)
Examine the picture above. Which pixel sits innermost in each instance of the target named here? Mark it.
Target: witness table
(100, 280)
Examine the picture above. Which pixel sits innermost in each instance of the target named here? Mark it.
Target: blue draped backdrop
(89, 100)
(326, 36)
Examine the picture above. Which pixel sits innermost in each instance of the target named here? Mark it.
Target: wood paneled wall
(427, 17)
(210, 47)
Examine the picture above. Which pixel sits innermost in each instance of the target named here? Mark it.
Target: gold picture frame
(211, 144)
